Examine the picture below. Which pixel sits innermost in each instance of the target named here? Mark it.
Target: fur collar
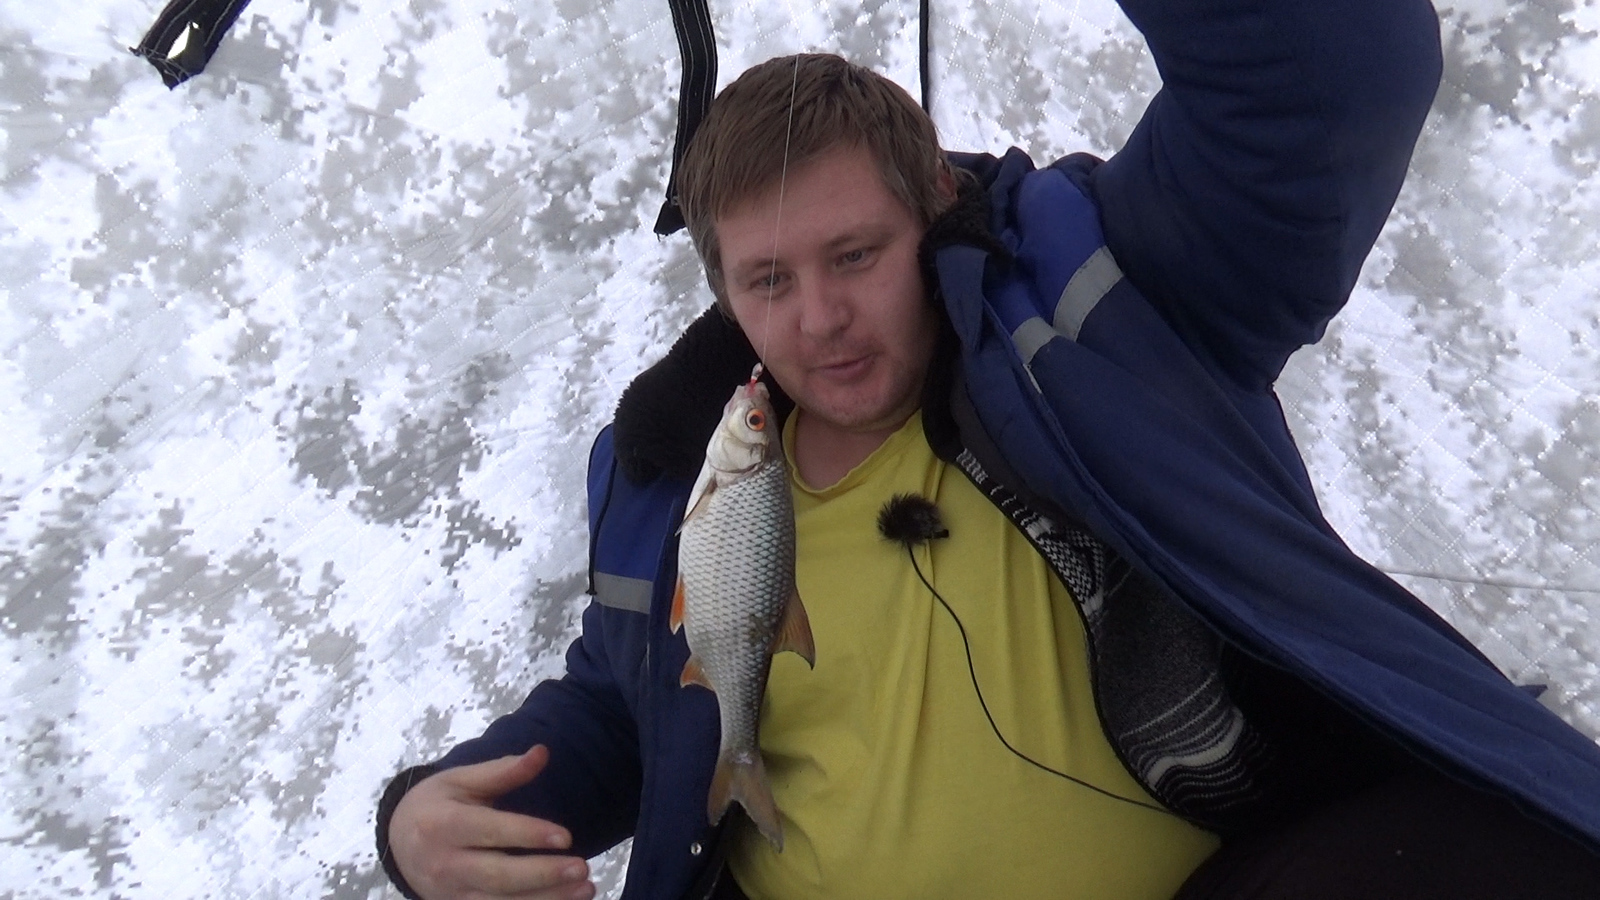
(666, 416)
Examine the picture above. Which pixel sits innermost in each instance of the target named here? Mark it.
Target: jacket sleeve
(591, 785)
(592, 782)
(1248, 196)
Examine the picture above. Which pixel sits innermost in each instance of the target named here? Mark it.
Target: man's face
(829, 292)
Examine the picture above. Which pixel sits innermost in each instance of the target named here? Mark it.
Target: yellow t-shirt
(890, 780)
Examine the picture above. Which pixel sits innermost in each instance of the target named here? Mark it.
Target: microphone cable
(909, 520)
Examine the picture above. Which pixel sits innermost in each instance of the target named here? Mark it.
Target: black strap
(196, 28)
(923, 42)
(697, 45)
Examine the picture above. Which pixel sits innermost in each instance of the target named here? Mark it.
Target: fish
(736, 600)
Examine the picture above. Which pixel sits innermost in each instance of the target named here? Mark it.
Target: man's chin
(856, 418)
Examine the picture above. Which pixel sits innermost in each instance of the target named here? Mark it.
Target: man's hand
(447, 839)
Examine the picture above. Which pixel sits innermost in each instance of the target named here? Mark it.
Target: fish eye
(755, 420)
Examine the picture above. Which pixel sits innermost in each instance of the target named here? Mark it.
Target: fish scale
(739, 567)
(736, 599)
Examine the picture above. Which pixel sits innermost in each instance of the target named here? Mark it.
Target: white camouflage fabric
(302, 361)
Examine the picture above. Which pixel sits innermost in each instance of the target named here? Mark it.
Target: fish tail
(741, 776)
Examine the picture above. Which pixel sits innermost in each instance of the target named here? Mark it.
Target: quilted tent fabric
(301, 363)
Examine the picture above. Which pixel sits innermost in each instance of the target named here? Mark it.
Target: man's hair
(739, 150)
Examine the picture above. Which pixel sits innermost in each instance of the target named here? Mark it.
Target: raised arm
(1247, 198)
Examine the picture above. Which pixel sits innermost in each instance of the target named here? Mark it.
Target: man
(1141, 664)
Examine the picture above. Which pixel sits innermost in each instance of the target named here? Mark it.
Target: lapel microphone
(911, 519)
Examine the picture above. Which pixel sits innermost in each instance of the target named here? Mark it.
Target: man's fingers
(498, 874)
(487, 780)
(447, 837)
(486, 828)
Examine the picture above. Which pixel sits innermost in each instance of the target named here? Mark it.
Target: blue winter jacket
(1119, 347)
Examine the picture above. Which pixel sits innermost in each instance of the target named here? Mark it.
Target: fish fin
(742, 776)
(694, 674)
(794, 631)
(675, 619)
(705, 484)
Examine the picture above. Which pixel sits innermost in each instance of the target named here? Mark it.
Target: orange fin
(794, 631)
(675, 620)
(693, 674)
(743, 777)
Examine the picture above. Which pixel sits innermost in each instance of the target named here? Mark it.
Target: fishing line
(777, 224)
(911, 520)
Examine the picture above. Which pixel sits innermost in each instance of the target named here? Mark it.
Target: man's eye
(851, 257)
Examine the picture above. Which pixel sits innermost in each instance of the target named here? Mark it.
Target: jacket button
(695, 849)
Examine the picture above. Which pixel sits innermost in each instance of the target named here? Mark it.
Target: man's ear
(947, 185)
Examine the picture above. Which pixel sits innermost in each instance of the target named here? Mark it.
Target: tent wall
(301, 362)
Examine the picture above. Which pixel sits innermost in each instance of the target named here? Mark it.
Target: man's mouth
(844, 369)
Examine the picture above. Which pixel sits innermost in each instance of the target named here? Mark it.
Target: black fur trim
(965, 222)
(666, 416)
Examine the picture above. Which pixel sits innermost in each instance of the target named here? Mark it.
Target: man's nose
(824, 308)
